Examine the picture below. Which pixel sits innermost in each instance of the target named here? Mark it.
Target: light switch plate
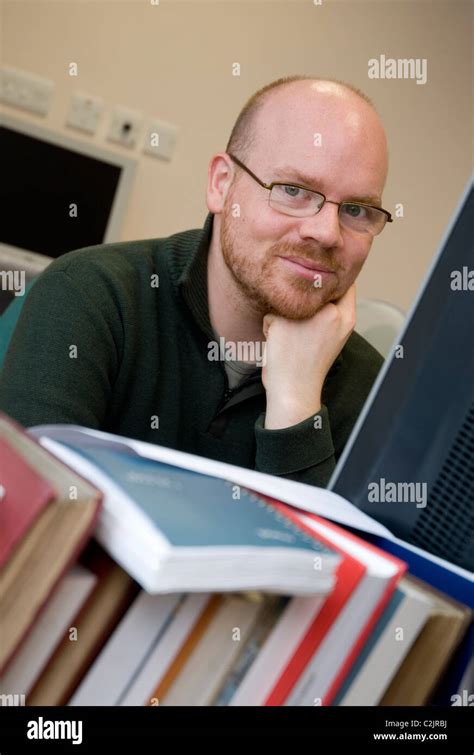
(84, 112)
(161, 139)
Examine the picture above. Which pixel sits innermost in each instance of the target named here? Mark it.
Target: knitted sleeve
(64, 353)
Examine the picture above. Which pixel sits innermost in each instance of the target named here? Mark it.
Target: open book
(457, 581)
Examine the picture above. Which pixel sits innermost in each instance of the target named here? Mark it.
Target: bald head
(317, 127)
(286, 93)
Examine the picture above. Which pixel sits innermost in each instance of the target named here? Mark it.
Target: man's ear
(219, 179)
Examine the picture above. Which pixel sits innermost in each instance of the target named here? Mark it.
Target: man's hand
(299, 354)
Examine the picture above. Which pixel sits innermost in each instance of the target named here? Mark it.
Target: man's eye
(291, 191)
(355, 210)
(285, 192)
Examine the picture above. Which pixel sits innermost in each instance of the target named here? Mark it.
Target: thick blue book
(178, 530)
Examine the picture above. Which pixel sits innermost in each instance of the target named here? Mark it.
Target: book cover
(175, 529)
(25, 493)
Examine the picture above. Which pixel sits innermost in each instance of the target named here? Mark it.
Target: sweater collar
(193, 279)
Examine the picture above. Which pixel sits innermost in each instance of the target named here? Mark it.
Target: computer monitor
(44, 173)
(409, 462)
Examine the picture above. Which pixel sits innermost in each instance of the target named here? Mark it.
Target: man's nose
(323, 227)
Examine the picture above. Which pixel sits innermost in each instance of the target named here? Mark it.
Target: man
(121, 337)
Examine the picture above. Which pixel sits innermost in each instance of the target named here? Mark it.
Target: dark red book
(47, 516)
(25, 493)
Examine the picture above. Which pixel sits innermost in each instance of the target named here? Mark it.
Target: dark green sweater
(97, 344)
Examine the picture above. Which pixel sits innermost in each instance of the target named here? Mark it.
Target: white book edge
(388, 654)
(125, 650)
(152, 672)
(277, 651)
(214, 654)
(49, 629)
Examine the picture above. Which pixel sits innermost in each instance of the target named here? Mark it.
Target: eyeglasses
(301, 202)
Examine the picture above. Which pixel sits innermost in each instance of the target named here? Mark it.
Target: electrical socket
(125, 127)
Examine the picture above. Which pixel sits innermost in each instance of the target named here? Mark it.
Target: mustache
(306, 253)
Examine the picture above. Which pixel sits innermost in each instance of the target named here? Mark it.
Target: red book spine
(349, 573)
(25, 494)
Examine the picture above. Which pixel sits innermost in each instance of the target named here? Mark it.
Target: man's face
(347, 161)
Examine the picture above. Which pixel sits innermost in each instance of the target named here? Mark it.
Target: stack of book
(132, 576)
(47, 514)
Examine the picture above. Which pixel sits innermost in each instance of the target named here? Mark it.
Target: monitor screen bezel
(127, 165)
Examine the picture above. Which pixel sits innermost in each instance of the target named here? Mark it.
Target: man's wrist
(281, 414)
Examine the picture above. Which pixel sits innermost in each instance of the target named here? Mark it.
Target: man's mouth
(306, 268)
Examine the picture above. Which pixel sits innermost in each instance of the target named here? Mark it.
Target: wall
(173, 61)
